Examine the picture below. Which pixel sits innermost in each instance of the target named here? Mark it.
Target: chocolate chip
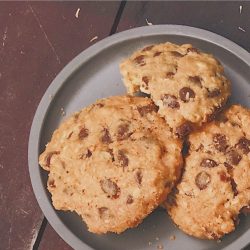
(110, 151)
(211, 117)
(186, 93)
(195, 79)
(157, 53)
(138, 177)
(170, 74)
(70, 134)
(130, 199)
(244, 145)
(122, 158)
(52, 183)
(233, 157)
(213, 93)
(220, 142)
(176, 54)
(145, 80)
(106, 138)
(100, 105)
(148, 48)
(194, 50)
(202, 180)
(234, 186)
(89, 153)
(245, 210)
(224, 177)
(228, 166)
(143, 110)
(49, 156)
(140, 60)
(83, 133)
(208, 163)
(110, 188)
(214, 236)
(123, 132)
(104, 213)
(170, 101)
(184, 129)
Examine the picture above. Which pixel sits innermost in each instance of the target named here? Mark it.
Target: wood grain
(37, 39)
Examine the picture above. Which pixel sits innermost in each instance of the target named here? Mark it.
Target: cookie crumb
(157, 238)
(172, 237)
(240, 9)
(148, 23)
(77, 13)
(51, 96)
(149, 243)
(218, 241)
(243, 30)
(160, 246)
(93, 39)
(63, 112)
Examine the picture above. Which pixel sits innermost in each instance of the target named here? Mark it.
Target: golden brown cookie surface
(215, 185)
(112, 163)
(187, 85)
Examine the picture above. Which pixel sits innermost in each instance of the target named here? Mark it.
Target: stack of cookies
(117, 160)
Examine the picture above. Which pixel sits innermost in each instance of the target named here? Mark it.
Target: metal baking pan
(94, 74)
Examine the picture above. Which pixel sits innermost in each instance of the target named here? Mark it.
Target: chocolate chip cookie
(112, 163)
(187, 85)
(215, 186)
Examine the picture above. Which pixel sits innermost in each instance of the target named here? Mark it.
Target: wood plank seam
(118, 17)
(40, 234)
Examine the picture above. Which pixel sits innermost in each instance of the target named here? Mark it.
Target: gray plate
(95, 74)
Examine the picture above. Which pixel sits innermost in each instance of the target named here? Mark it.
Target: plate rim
(44, 105)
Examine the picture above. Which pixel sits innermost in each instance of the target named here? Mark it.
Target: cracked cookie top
(215, 186)
(187, 85)
(112, 163)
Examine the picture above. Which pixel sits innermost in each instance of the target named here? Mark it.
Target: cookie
(112, 163)
(215, 186)
(187, 85)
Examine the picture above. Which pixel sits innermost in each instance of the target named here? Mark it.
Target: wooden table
(37, 40)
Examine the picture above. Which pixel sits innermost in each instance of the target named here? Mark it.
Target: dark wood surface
(223, 17)
(36, 41)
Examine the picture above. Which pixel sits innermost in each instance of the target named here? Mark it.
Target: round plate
(95, 74)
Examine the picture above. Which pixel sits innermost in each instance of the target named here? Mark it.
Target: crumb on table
(160, 246)
(172, 237)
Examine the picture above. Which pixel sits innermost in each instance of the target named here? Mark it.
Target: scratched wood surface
(37, 41)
